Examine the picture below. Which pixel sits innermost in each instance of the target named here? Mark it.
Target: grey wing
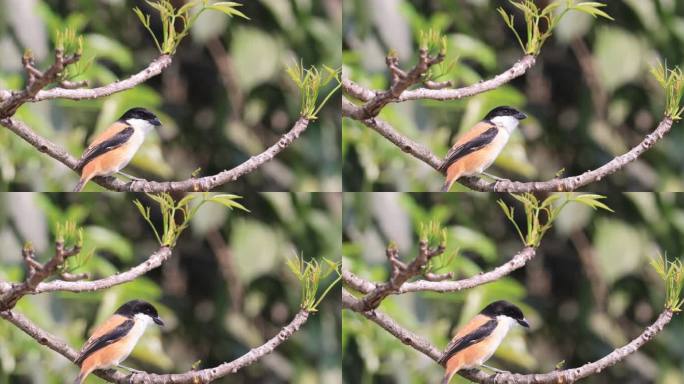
(466, 341)
(107, 145)
(108, 338)
(469, 147)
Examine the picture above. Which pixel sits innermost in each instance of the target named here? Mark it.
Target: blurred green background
(581, 116)
(588, 290)
(225, 97)
(225, 290)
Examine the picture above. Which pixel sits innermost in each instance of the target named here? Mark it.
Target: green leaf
(228, 201)
(228, 7)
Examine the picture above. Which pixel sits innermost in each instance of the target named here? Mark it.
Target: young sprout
(184, 210)
(672, 81)
(310, 81)
(168, 16)
(540, 215)
(540, 23)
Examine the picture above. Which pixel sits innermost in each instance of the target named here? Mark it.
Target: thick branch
(517, 261)
(205, 183)
(565, 184)
(575, 182)
(517, 70)
(562, 376)
(405, 336)
(190, 377)
(211, 374)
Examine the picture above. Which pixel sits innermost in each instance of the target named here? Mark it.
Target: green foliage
(310, 273)
(168, 16)
(672, 274)
(170, 209)
(672, 81)
(71, 236)
(310, 81)
(535, 17)
(71, 43)
(437, 43)
(433, 234)
(67, 42)
(540, 215)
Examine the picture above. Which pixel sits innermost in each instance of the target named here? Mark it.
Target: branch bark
(205, 183)
(561, 376)
(190, 377)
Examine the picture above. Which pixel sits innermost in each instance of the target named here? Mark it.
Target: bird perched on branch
(477, 341)
(114, 148)
(477, 149)
(114, 340)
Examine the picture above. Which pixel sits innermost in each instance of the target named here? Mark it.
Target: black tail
(80, 185)
(79, 379)
(447, 185)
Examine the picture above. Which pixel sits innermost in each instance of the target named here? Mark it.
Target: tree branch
(518, 69)
(561, 376)
(190, 377)
(38, 80)
(516, 262)
(153, 69)
(155, 260)
(205, 183)
(571, 183)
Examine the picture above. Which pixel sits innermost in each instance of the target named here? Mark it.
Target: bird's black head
(504, 308)
(141, 114)
(505, 111)
(134, 307)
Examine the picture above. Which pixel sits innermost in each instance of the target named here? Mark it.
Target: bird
(114, 340)
(114, 148)
(477, 149)
(477, 341)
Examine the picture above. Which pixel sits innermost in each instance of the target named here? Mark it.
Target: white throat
(141, 125)
(509, 123)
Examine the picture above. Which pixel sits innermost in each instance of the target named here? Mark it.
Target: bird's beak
(520, 116)
(158, 321)
(524, 323)
(155, 122)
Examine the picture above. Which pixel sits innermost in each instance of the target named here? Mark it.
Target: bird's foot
(129, 369)
(131, 177)
(495, 178)
(495, 370)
